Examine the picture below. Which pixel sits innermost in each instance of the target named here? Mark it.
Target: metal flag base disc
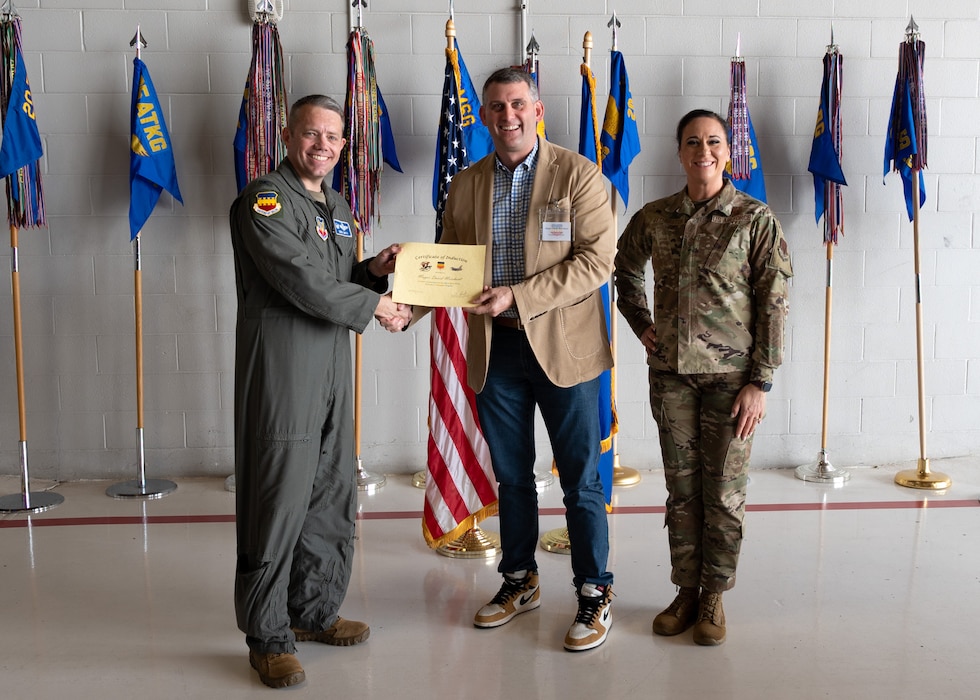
(418, 479)
(823, 472)
(472, 544)
(151, 488)
(33, 502)
(922, 478)
(367, 482)
(543, 480)
(230, 483)
(556, 541)
(625, 476)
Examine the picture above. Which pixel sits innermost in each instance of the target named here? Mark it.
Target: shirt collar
(529, 163)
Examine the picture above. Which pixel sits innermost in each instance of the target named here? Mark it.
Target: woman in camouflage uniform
(713, 339)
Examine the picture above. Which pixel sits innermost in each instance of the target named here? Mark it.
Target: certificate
(430, 274)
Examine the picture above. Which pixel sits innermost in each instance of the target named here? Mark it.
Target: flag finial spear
(912, 30)
(533, 47)
(832, 46)
(452, 10)
(8, 10)
(615, 24)
(738, 45)
(138, 41)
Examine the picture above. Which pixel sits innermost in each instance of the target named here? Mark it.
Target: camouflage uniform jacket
(720, 283)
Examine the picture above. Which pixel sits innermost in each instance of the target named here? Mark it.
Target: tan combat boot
(679, 615)
(709, 630)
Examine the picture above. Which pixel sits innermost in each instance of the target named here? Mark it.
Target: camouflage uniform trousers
(705, 467)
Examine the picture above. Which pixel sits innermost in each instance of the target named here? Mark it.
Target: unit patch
(321, 228)
(267, 203)
(342, 228)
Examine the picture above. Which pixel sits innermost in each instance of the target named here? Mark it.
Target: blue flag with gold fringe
(21, 139)
(588, 147)
(620, 138)
(755, 184)
(151, 158)
(476, 136)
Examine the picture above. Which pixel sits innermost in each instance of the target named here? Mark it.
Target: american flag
(460, 490)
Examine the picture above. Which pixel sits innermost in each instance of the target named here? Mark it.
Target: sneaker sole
(586, 647)
(533, 605)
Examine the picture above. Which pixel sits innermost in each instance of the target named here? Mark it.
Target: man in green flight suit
(300, 293)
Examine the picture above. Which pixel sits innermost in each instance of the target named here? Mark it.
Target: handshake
(393, 316)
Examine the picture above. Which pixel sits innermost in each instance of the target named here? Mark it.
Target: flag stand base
(823, 472)
(556, 541)
(148, 488)
(922, 478)
(368, 482)
(230, 483)
(30, 502)
(624, 476)
(475, 543)
(543, 480)
(418, 479)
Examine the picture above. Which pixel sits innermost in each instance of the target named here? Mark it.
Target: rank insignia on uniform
(321, 228)
(267, 203)
(342, 228)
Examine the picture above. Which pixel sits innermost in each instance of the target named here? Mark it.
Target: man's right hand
(392, 316)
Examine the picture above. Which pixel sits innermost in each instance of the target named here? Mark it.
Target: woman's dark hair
(697, 114)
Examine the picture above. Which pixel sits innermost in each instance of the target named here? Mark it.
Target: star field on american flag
(451, 148)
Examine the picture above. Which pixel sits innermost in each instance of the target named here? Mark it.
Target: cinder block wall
(77, 274)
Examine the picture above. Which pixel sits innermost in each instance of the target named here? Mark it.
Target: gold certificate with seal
(433, 274)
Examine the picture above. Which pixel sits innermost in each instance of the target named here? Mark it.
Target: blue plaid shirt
(511, 199)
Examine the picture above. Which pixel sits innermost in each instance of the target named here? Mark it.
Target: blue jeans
(515, 384)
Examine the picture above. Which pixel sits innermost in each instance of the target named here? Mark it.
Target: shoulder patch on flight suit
(342, 228)
(267, 203)
(780, 259)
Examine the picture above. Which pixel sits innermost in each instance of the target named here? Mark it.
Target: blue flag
(151, 158)
(901, 144)
(587, 146)
(387, 137)
(755, 184)
(824, 161)
(475, 133)
(620, 139)
(21, 140)
(240, 143)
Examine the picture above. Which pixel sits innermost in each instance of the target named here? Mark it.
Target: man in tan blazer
(537, 337)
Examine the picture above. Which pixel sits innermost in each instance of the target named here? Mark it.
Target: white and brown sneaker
(593, 620)
(516, 595)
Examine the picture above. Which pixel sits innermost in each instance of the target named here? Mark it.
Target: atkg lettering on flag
(21, 149)
(745, 168)
(460, 489)
(151, 160)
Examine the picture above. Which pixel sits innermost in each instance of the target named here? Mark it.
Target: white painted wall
(77, 275)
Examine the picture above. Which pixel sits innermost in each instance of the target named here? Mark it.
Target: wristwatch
(765, 386)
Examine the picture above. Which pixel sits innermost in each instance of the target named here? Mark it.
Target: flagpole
(823, 471)
(475, 542)
(921, 477)
(25, 501)
(622, 476)
(140, 487)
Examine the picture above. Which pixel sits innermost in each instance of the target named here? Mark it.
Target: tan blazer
(559, 301)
